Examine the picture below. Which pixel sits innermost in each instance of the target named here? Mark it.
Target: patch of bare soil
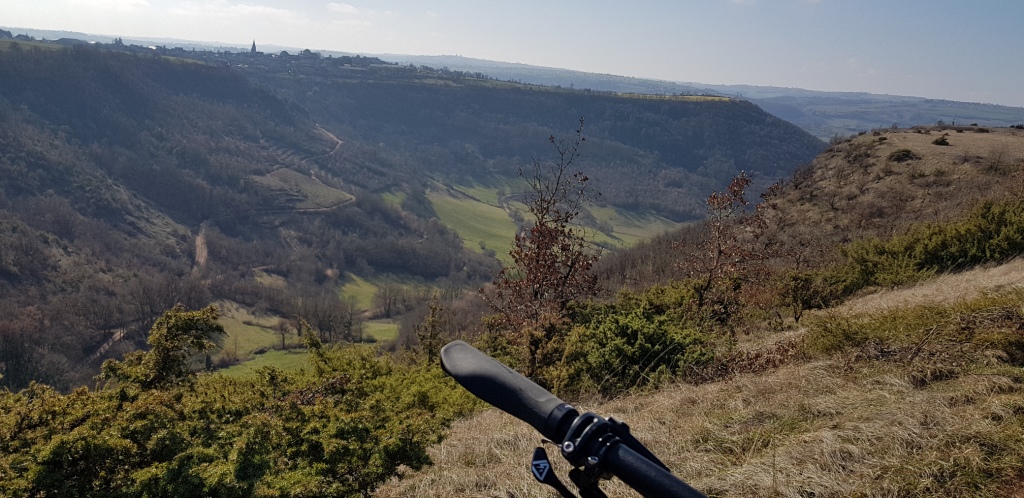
(202, 253)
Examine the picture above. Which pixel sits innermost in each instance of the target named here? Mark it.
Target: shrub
(986, 325)
(833, 333)
(941, 140)
(636, 343)
(340, 430)
(903, 155)
(812, 289)
(992, 232)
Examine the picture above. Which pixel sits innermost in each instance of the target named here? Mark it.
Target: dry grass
(817, 429)
(846, 425)
(853, 189)
(945, 289)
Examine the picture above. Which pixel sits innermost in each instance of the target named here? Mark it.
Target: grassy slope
(477, 216)
(305, 192)
(823, 425)
(381, 330)
(629, 228)
(476, 222)
(360, 289)
(285, 360)
(245, 332)
(485, 194)
(854, 190)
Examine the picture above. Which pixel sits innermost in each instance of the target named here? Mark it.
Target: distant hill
(644, 153)
(823, 114)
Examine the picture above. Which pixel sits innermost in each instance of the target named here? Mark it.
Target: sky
(965, 50)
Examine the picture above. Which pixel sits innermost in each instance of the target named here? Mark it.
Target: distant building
(253, 51)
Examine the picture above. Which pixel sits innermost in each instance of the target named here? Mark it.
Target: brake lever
(621, 430)
(545, 474)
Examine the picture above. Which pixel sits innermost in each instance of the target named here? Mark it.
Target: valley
(230, 274)
(258, 185)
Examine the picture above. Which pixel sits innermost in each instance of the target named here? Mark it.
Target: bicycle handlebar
(645, 477)
(520, 397)
(508, 390)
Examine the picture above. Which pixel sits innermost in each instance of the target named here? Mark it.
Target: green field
(478, 217)
(381, 330)
(628, 228)
(245, 332)
(305, 192)
(25, 45)
(290, 360)
(488, 194)
(476, 221)
(360, 289)
(393, 198)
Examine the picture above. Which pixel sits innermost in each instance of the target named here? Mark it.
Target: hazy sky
(968, 50)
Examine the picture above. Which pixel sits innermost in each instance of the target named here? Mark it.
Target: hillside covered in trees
(655, 154)
(119, 170)
(822, 114)
(132, 182)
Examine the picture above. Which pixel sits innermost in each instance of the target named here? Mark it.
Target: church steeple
(253, 51)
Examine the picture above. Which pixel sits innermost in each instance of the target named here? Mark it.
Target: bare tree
(733, 249)
(432, 331)
(387, 298)
(283, 328)
(551, 260)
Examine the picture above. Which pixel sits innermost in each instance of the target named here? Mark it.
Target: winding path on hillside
(337, 144)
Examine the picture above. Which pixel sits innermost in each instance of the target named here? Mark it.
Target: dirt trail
(337, 144)
(117, 337)
(201, 251)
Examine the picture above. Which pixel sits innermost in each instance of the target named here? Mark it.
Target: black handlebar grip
(643, 475)
(507, 390)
